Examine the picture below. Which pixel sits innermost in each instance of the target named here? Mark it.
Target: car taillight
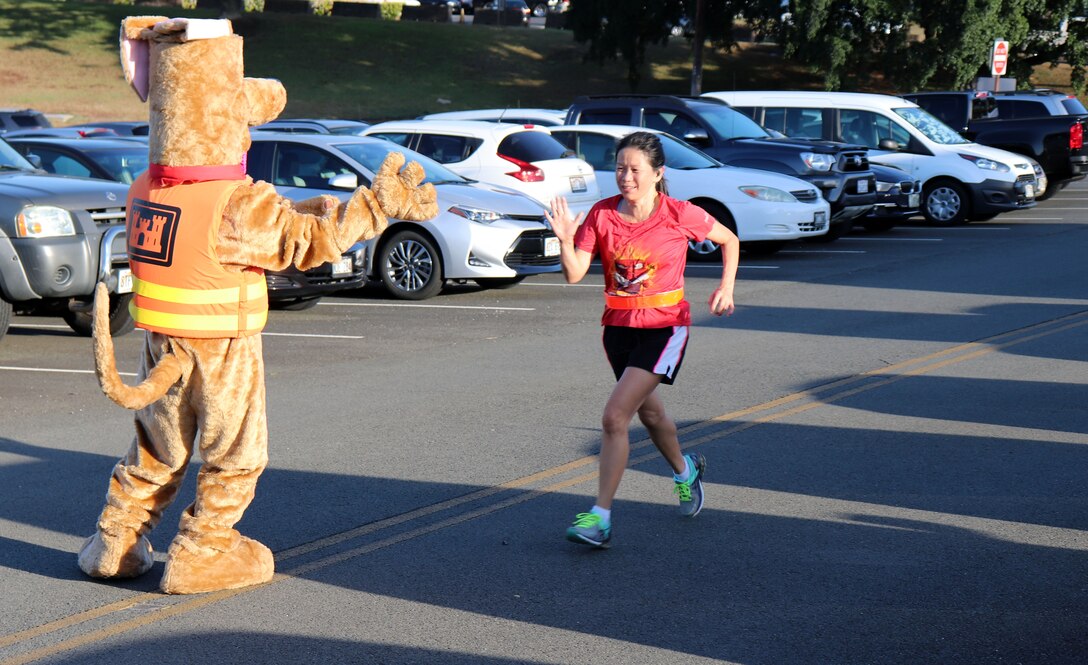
(1076, 136)
(526, 172)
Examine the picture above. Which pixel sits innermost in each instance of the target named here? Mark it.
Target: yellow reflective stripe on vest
(197, 322)
(644, 302)
(196, 296)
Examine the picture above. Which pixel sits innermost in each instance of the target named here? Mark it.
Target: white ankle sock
(683, 477)
(604, 513)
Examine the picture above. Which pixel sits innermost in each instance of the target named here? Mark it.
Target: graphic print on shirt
(632, 271)
(152, 228)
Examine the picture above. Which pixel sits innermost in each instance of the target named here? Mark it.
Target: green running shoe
(690, 493)
(587, 530)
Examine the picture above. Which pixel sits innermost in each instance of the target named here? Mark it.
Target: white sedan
(521, 157)
(491, 235)
(764, 209)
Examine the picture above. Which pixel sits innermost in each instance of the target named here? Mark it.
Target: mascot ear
(266, 99)
(135, 54)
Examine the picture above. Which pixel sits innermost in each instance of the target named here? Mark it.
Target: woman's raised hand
(563, 224)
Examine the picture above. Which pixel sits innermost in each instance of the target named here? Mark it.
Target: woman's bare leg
(627, 398)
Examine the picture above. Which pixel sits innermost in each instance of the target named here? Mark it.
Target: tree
(623, 29)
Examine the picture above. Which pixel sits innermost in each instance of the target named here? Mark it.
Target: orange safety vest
(179, 286)
(644, 302)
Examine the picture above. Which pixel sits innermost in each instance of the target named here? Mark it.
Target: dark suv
(12, 119)
(840, 171)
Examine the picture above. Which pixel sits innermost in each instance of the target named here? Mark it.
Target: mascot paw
(191, 568)
(116, 555)
(399, 193)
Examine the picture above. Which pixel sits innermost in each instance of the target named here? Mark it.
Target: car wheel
(5, 317)
(945, 203)
(120, 320)
(707, 250)
(410, 266)
(295, 304)
(499, 282)
(762, 247)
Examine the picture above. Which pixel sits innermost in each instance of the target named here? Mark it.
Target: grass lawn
(61, 58)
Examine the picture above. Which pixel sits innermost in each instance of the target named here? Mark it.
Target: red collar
(177, 175)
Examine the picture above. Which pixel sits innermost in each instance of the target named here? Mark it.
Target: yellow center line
(820, 396)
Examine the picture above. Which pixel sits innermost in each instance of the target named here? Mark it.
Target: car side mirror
(888, 144)
(697, 136)
(34, 160)
(346, 181)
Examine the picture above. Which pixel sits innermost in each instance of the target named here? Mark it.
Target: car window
(60, 163)
(446, 149)
(400, 138)
(804, 123)
(530, 146)
(300, 165)
(606, 117)
(729, 124)
(10, 158)
(1019, 108)
(599, 150)
(371, 155)
(932, 128)
(869, 129)
(681, 156)
(122, 165)
(1073, 106)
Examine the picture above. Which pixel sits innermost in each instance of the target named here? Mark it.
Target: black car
(840, 171)
(14, 119)
(123, 159)
(898, 198)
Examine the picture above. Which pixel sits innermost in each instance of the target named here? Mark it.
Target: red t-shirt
(644, 258)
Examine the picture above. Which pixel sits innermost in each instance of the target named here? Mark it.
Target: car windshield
(123, 164)
(730, 123)
(9, 159)
(371, 155)
(679, 155)
(934, 129)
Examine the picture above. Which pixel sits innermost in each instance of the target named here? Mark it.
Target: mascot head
(202, 105)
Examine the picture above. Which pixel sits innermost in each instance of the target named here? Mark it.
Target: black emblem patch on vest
(152, 228)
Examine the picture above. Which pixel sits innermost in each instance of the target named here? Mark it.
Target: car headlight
(44, 222)
(882, 186)
(768, 194)
(986, 164)
(818, 161)
(478, 215)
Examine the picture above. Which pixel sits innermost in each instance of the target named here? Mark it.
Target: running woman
(642, 237)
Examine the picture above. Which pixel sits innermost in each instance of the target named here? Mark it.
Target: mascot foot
(191, 568)
(116, 555)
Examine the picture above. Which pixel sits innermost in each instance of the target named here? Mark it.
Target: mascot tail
(164, 375)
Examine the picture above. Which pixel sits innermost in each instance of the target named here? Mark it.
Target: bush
(391, 11)
(253, 5)
(321, 7)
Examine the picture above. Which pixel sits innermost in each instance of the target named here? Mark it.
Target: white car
(522, 157)
(518, 116)
(492, 235)
(764, 209)
(961, 180)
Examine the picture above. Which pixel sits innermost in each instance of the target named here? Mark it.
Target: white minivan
(961, 181)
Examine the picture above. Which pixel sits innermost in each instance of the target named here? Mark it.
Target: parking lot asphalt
(896, 435)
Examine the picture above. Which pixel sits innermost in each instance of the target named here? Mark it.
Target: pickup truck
(1055, 142)
(839, 171)
(59, 237)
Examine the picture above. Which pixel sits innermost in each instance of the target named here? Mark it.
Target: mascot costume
(200, 234)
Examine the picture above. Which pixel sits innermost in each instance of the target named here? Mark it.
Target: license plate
(342, 267)
(551, 247)
(863, 186)
(124, 280)
(577, 183)
(819, 220)
(1029, 192)
(914, 200)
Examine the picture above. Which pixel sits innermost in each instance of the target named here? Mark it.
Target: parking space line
(274, 334)
(971, 227)
(423, 306)
(40, 326)
(823, 251)
(771, 411)
(894, 239)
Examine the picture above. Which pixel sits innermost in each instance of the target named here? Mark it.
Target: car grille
(805, 195)
(1026, 179)
(908, 186)
(529, 218)
(108, 215)
(811, 226)
(853, 161)
(528, 250)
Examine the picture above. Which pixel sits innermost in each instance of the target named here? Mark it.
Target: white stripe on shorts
(673, 351)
